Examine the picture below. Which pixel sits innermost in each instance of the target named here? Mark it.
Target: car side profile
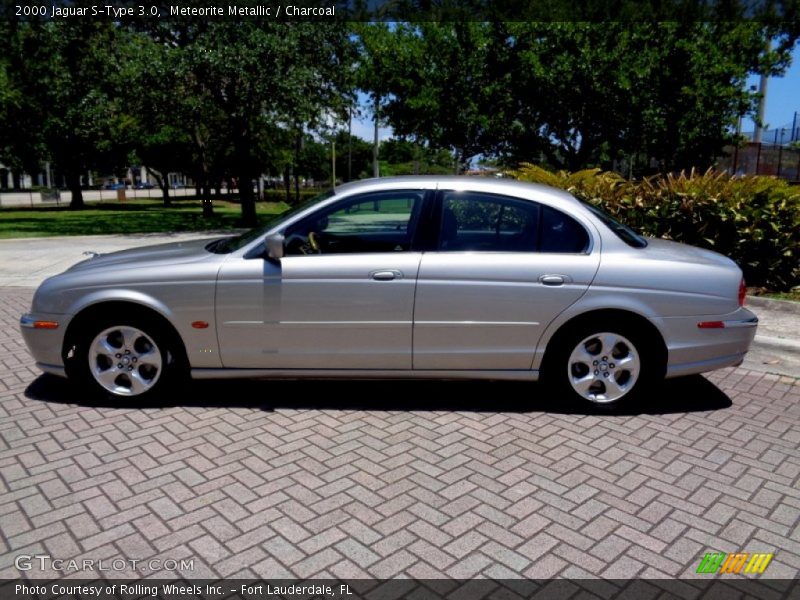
(423, 277)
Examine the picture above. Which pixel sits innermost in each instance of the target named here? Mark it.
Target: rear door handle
(386, 275)
(554, 280)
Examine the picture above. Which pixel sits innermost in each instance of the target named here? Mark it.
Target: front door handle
(553, 280)
(386, 275)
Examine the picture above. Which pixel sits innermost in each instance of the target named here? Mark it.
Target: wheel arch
(656, 342)
(105, 307)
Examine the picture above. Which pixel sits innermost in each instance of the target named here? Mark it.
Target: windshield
(623, 232)
(226, 245)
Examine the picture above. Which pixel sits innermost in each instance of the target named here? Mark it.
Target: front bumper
(45, 344)
(708, 342)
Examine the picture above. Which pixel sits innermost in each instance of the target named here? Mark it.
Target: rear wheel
(602, 366)
(126, 358)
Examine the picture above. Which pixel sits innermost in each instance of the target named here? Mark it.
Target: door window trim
(416, 221)
(438, 215)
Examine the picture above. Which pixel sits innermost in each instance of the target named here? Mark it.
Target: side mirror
(274, 246)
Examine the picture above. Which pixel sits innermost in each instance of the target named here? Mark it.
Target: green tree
(438, 88)
(262, 73)
(585, 94)
(63, 72)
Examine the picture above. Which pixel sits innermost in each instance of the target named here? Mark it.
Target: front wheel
(125, 359)
(602, 367)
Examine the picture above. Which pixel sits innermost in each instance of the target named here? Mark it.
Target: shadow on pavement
(686, 394)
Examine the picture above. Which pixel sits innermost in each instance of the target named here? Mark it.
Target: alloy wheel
(604, 367)
(125, 361)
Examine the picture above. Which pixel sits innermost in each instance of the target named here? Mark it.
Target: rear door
(502, 269)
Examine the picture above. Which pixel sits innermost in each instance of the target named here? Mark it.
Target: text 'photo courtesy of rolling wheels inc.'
(399, 300)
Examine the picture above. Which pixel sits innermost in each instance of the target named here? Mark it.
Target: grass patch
(791, 296)
(133, 216)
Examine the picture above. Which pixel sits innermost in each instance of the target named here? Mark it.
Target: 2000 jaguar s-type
(442, 277)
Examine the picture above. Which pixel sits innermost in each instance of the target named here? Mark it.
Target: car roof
(497, 185)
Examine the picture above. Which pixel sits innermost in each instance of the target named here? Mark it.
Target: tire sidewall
(556, 374)
(78, 366)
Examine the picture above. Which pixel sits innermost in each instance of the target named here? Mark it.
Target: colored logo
(721, 563)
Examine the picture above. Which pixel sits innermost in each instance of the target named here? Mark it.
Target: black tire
(608, 377)
(155, 345)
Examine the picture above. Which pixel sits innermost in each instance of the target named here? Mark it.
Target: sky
(783, 99)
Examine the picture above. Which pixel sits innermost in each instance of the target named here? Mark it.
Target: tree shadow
(686, 394)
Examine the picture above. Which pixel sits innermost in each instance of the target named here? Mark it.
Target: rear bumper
(722, 341)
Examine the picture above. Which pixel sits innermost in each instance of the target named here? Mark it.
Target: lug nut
(595, 363)
(611, 365)
(128, 352)
(130, 368)
(134, 360)
(597, 372)
(119, 355)
(605, 358)
(605, 374)
(119, 366)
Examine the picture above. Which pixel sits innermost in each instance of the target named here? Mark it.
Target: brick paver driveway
(282, 479)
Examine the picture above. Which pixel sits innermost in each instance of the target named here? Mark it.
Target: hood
(172, 253)
(658, 249)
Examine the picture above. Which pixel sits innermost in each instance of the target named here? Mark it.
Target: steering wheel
(313, 241)
(303, 244)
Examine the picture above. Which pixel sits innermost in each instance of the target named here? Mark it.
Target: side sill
(52, 369)
(360, 374)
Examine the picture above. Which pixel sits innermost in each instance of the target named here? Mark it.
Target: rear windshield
(623, 232)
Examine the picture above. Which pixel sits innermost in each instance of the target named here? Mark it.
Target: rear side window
(561, 233)
(473, 221)
(623, 232)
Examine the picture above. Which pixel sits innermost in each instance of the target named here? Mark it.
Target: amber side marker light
(199, 324)
(45, 324)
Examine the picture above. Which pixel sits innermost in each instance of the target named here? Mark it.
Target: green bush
(755, 220)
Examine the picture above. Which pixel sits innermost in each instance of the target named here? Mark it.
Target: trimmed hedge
(755, 220)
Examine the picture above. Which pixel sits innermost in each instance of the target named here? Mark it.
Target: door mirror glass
(274, 246)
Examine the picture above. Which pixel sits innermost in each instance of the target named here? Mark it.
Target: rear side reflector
(199, 324)
(742, 292)
(711, 325)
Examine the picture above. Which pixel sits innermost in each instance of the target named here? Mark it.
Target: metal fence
(763, 159)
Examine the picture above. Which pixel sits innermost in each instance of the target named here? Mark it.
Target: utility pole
(333, 164)
(350, 144)
(762, 102)
(376, 169)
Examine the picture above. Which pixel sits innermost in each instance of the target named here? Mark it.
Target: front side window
(473, 221)
(376, 222)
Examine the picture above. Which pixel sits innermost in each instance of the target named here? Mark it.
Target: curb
(779, 344)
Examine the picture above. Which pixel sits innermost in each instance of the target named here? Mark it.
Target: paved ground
(26, 262)
(339, 479)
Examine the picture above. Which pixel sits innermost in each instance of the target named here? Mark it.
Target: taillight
(742, 292)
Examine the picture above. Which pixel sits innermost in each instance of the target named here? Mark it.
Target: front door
(342, 297)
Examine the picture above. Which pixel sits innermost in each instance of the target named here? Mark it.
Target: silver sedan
(438, 277)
